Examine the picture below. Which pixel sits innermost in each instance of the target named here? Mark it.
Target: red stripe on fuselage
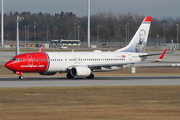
(30, 62)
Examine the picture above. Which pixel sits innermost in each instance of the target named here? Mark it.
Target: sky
(155, 8)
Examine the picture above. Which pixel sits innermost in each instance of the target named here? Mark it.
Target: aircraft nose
(9, 65)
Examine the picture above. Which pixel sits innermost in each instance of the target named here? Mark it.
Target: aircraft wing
(129, 63)
(121, 64)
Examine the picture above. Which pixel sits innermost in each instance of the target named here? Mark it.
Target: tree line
(36, 26)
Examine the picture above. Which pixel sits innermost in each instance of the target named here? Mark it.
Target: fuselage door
(30, 60)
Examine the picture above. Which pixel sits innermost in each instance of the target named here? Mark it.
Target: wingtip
(162, 55)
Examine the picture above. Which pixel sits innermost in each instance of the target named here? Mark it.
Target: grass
(89, 103)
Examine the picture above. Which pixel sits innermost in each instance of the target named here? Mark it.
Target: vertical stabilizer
(139, 41)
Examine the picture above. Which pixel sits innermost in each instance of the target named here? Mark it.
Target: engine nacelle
(80, 71)
(47, 73)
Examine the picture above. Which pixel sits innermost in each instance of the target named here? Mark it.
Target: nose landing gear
(19, 73)
(21, 77)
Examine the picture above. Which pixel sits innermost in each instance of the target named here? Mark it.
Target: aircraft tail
(139, 41)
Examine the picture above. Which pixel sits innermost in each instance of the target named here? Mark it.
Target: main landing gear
(91, 76)
(69, 76)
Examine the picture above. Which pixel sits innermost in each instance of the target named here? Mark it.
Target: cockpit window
(19, 59)
(16, 59)
(13, 59)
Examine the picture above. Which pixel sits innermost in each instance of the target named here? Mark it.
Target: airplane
(85, 63)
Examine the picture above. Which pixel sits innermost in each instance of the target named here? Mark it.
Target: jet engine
(80, 71)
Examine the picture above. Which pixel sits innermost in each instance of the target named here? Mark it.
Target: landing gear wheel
(21, 77)
(69, 76)
(91, 76)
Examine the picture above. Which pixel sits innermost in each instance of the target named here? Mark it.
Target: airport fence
(153, 43)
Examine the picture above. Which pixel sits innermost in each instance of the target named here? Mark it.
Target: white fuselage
(61, 61)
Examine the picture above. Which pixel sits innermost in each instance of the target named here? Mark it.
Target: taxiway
(12, 82)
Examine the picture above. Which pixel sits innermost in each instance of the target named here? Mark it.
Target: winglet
(162, 55)
(41, 49)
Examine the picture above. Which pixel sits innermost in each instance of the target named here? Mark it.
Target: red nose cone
(9, 65)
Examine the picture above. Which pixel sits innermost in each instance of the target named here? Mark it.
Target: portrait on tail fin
(139, 40)
(141, 45)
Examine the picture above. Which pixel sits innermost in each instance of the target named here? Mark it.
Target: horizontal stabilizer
(154, 54)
